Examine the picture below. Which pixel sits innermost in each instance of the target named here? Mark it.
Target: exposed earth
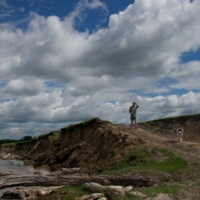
(95, 145)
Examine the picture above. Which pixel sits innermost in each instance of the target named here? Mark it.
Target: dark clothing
(133, 118)
(133, 111)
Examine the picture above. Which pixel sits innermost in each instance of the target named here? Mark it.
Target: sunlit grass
(170, 189)
(140, 161)
(8, 144)
(67, 193)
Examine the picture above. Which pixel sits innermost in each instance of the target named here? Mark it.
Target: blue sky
(93, 19)
(62, 62)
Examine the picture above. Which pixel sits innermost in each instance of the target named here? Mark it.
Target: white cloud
(102, 73)
(187, 76)
(23, 87)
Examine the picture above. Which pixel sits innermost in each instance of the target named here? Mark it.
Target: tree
(27, 138)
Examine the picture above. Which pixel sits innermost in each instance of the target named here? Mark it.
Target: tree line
(25, 138)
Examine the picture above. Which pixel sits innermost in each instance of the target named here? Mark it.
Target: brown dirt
(158, 134)
(93, 146)
(159, 137)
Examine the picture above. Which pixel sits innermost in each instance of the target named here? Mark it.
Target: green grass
(129, 197)
(72, 192)
(67, 193)
(149, 124)
(55, 136)
(170, 189)
(7, 144)
(141, 161)
(87, 121)
(83, 123)
(173, 164)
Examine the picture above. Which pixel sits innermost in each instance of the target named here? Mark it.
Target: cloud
(78, 15)
(23, 87)
(146, 43)
(6, 10)
(52, 74)
(187, 76)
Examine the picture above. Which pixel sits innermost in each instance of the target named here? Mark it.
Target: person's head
(134, 103)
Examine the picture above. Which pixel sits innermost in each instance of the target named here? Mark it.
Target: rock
(162, 197)
(27, 193)
(128, 189)
(84, 197)
(46, 190)
(111, 191)
(138, 194)
(97, 195)
(20, 193)
(92, 197)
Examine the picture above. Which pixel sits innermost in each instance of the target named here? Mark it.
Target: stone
(162, 196)
(128, 189)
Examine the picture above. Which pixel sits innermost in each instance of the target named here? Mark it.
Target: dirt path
(188, 150)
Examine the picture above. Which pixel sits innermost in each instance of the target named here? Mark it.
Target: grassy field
(141, 161)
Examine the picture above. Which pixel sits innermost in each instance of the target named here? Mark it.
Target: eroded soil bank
(92, 146)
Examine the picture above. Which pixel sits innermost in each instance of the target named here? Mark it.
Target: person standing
(133, 111)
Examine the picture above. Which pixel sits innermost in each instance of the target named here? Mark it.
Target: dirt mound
(190, 124)
(91, 145)
(158, 133)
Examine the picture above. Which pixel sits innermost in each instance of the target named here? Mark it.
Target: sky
(65, 61)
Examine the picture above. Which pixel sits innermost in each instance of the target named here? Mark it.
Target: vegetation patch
(149, 124)
(42, 136)
(129, 197)
(150, 160)
(54, 136)
(7, 144)
(169, 189)
(87, 121)
(67, 193)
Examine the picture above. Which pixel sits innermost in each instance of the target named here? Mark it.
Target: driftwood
(94, 196)
(44, 180)
(111, 191)
(57, 179)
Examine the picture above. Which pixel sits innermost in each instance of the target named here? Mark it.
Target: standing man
(132, 111)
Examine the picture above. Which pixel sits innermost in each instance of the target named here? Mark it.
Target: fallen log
(71, 180)
(112, 192)
(44, 180)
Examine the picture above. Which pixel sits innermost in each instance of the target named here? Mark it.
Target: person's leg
(131, 121)
(135, 122)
